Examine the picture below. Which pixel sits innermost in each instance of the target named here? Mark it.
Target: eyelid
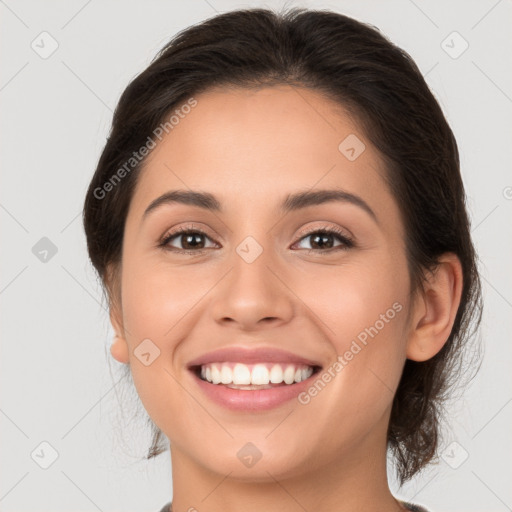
(326, 227)
(171, 232)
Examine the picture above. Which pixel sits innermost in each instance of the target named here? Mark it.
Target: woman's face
(260, 272)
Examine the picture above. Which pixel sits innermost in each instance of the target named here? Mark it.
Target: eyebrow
(292, 202)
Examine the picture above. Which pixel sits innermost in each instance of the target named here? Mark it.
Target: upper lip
(251, 355)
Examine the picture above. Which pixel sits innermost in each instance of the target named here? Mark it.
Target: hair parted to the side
(378, 84)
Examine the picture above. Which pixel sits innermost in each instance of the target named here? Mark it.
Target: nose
(253, 295)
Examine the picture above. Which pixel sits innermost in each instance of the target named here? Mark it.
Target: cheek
(158, 305)
(357, 309)
(362, 313)
(353, 298)
(155, 297)
(346, 302)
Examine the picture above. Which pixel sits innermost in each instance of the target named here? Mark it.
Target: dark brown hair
(379, 84)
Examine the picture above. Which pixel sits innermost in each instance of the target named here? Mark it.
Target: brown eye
(323, 240)
(192, 240)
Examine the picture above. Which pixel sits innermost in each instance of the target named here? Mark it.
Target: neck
(349, 482)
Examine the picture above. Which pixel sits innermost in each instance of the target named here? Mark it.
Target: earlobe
(119, 350)
(436, 309)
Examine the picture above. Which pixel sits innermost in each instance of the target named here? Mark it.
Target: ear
(119, 348)
(435, 309)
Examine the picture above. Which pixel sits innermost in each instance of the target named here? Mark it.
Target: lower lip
(252, 400)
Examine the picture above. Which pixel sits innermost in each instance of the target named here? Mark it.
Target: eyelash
(346, 240)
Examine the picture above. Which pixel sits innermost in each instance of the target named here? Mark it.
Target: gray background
(56, 385)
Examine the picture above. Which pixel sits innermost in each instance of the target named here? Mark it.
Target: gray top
(410, 506)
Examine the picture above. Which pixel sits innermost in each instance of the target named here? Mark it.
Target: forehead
(255, 146)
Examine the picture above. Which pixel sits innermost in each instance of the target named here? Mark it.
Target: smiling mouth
(257, 376)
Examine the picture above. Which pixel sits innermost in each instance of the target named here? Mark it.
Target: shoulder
(410, 506)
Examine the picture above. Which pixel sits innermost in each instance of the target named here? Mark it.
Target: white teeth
(276, 374)
(226, 375)
(241, 374)
(306, 373)
(289, 374)
(261, 374)
(215, 376)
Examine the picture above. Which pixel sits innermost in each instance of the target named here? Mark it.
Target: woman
(279, 221)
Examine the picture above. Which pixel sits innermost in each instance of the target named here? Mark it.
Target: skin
(250, 149)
